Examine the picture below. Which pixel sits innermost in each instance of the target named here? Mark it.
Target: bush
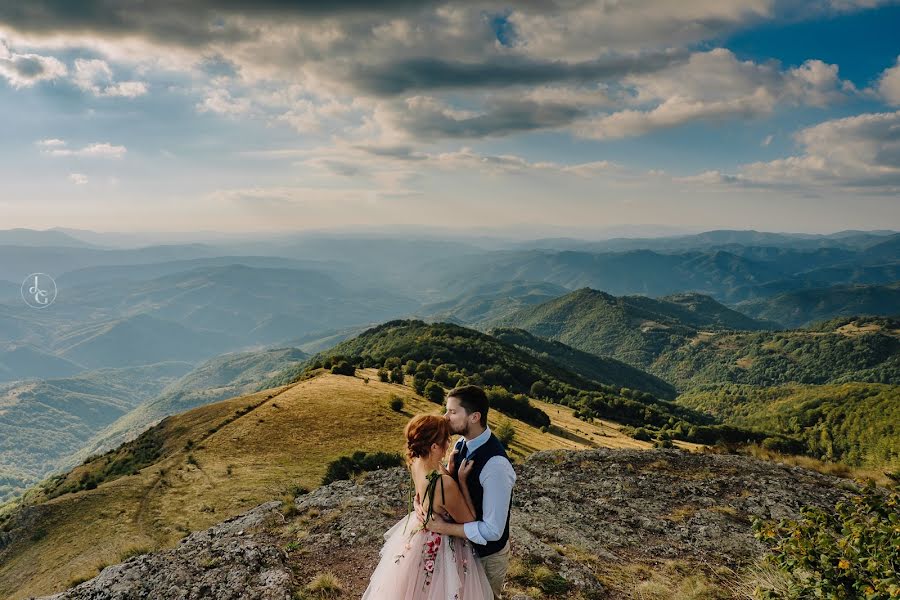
(383, 375)
(518, 406)
(343, 368)
(397, 375)
(850, 552)
(347, 466)
(396, 403)
(641, 434)
(505, 433)
(434, 392)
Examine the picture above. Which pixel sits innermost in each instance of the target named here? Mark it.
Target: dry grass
(814, 464)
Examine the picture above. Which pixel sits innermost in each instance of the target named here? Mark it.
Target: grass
(323, 586)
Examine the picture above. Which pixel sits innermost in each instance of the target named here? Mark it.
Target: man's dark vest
(491, 448)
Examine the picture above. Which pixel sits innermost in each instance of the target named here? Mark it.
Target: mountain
(222, 377)
(803, 307)
(662, 524)
(42, 422)
(27, 362)
(139, 340)
(851, 423)
(33, 237)
(216, 461)
(633, 329)
(491, 301)
(863, 349)
(601, 369)
(715, 273)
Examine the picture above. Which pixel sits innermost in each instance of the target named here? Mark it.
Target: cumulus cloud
(716, 85)
(889, 84)
(25, 70)
(97, 150)
(78, 178)
(221, 102)
(95, 76)
(853, 152)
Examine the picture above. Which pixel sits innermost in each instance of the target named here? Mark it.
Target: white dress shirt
(497, 479)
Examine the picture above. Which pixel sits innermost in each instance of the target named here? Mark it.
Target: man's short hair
(473, 399)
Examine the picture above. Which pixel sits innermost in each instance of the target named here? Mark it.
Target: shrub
(383, 375)
(396, 375)
(641, 434)
(346, 467)
(343, 368)
(396, 403)
(850, 552)
(434, 392)
(505, 433)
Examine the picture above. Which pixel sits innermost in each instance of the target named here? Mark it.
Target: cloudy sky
(266, 115)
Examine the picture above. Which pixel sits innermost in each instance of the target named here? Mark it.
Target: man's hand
(437, 524)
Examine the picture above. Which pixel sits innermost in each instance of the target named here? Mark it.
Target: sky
(556, 115)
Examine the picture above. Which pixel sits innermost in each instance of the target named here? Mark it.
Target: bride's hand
(464, 469)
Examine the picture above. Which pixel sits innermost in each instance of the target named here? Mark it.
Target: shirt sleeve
(497, 479)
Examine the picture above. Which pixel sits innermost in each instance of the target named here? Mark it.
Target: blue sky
(781, 116)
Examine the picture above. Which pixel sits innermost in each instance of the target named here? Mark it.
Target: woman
(417, 564)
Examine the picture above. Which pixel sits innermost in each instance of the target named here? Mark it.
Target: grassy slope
(286, 440)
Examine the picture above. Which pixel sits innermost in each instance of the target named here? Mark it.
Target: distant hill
(27, 362)
(633, 329)
(715, 273)
(600, 369)
(42, 422)
(854, 423)
(864, 349)
(803, 307)
(491, 301)
(139, 340)
(219, 378)
(34, 237)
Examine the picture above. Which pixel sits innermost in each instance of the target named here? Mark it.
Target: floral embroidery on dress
(429, 554)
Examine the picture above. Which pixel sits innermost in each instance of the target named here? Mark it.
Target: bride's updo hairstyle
(424, 430)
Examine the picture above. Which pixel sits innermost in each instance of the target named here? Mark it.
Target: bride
(417, 564)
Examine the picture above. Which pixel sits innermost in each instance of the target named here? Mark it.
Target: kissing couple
(455, 544)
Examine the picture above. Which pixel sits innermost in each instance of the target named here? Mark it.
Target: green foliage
(851, 552)
(396, 403)
(516, 406)
(434, 392)
(347, 466)
(397, 375)
(853, 423)
(505, 432)
(343, 368)
(383, 375)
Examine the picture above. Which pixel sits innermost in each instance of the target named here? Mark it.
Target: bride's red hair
(424, 430)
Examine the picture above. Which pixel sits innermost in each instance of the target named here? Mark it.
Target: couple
(456, 545)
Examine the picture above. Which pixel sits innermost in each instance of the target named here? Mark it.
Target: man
(490, 482)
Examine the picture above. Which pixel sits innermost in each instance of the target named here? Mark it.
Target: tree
(539, 389)
(434, 392)
(397, 375)
(505, 433)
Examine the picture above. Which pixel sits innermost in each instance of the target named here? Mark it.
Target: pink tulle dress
(422, 565)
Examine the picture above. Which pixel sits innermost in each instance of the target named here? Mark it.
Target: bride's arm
(457, 503)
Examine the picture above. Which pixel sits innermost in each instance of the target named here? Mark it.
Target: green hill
(854, 423)
(492, 301)
(43, 422)
(602, 369)
(848, 349)
(803, 307)
(222, 377)
(633, 329)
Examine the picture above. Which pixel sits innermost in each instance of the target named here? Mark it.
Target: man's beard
(463, 432)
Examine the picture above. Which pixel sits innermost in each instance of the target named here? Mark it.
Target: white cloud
(889, 84)
(221, 102)
(853, 152)
(767, 140)
(95, 76)
(51, 143)
(96, 150)
(24, 70)
(78, 178)
(716, 85)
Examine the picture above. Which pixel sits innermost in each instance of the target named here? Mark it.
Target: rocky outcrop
(582, 515)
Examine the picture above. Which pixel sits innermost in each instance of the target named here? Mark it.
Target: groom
(490, 483)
